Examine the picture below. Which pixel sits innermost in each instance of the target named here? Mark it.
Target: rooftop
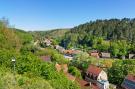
(94, 70)
(131, 77)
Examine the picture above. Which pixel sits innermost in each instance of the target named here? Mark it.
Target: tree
(120, 69)
(114, 49)
(123, 48)
(74, 71)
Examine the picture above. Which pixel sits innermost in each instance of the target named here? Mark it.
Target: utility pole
(14, 62)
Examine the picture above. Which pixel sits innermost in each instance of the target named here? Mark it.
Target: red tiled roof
(72, 51)
(131, 77)
(94, 55)
(94, 70)
(46, 58)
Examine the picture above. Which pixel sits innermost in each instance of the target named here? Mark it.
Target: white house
(97, 76)
(68, 57)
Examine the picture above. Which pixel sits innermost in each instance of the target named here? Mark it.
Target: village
(95, 76)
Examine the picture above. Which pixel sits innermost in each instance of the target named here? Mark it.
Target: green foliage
(6, 57)
(31, 67)
(55, 55)
(28, 48)
(30, 71)
(11, 38)
(74, 71)
(119, 69)
(82, 61)
(21, 81)
(25, 37)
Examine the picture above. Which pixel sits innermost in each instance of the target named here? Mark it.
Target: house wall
(94, 55)
(102, 76)
(104, 85)
(105, 55)
(131, 56)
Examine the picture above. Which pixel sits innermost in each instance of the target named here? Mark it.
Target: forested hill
(56, 33)
(112, 29)
(109, 29)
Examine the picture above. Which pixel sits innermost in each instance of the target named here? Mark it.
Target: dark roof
(46, 58)
(94, 70)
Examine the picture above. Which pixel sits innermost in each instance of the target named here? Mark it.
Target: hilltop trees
(115, 35)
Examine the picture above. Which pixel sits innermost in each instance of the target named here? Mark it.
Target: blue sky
(51, 14)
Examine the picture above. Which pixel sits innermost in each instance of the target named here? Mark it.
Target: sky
(31, 15)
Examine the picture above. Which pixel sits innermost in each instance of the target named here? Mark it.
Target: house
(103, 84)
(105, 55)
(131, 56)
(71, 52)
(96, 75)
(68, 52)
(68, 57)
(46, 58)
(48, 42)
(59, 48)
(94, 53)
(129, 82)
(62, 67)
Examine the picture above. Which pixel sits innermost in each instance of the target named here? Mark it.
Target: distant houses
(68, 57)
(129, 82)
(97, 76)
(59, 48)
(71, 52)
(94, 53)
(105, 55)
(97, 54)
(48, 42)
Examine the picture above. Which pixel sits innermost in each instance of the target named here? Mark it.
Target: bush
(74, 71)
